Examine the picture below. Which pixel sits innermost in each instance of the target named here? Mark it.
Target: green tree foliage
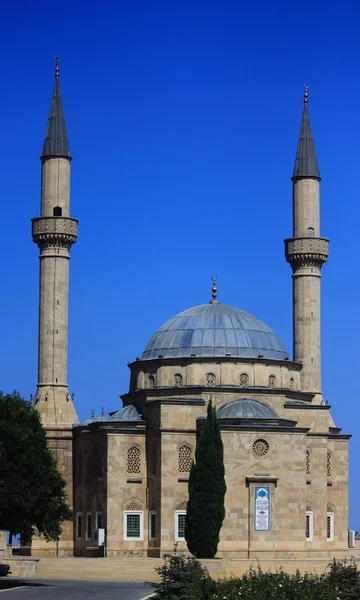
(207, 488)
(32, 491)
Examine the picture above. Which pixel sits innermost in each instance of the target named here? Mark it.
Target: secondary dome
(246, 408)
(215, 330)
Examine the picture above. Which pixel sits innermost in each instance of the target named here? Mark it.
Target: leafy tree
(207, 488)
(32, 491)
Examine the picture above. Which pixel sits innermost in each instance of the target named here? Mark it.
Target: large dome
(215, 330)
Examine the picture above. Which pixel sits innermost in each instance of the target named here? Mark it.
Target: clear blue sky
(183, 120)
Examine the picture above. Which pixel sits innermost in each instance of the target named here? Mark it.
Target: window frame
(97, 515)
(330, 515)
(178, 513)
(132, 538)
(309, 514)
(88, 535)
(152, 515)
(79, 521)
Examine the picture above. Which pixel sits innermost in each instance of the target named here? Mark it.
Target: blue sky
(183, 120)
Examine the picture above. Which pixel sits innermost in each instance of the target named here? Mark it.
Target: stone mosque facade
(286, 463)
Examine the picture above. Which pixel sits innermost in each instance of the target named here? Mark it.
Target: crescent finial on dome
(214, 291)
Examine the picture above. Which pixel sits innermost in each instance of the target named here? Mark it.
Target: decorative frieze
(49, 232)
(306, 252)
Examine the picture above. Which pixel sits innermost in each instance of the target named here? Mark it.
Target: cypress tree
(207, 488)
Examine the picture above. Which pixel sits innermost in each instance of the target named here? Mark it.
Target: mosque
(286, 463)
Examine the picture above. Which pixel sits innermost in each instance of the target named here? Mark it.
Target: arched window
(291, 384)
(244, 380)
(180, 516)
(330, 522)
(310, 232)
(57, 211)
(184, 459)
(308, 462)
(133, 460)
(133, 521)
(272, 381)
(309, 523)
(178, 380)
(210, 380)
(151, 381)
(328, 464)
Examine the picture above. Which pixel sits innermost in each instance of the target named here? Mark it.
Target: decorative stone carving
(178, 380)
(133, 505)
(182, 505)
(306, 252)
(328, 463)
(210, 380)
(58, 232)
(272, 381)
(260, 448)
(184, 459)
(244, 380)
(133, 460)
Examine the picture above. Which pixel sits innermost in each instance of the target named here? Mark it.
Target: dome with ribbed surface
(215, 330)
(246, 408)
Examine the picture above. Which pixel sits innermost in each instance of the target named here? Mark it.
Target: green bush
(184, 578)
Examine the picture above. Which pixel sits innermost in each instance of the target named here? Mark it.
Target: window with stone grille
(308, 462)
(178, 380)
(330, 525)
(328, 464)
(184, 459)
(309, 524)
(210, 380)
(133, 525)
(244, 379)
(133, 464)
(151, 381)
(260, 448)
(180, 517)
(272, 381)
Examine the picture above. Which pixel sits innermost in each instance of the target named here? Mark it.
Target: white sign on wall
(262, 508)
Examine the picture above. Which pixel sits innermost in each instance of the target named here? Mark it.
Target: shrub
(184, 578)
(345, 577)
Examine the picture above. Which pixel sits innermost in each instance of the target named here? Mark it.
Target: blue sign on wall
(262, 508)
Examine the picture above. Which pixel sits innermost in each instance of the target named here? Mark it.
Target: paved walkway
(32, 589)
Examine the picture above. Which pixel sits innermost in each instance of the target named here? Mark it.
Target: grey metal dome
(127, 413)
(246, 408)
(215, 330)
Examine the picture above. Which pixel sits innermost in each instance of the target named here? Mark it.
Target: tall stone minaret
(54, 232)
(306, 252)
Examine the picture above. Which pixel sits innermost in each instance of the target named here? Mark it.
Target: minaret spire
(306, 164)
(56, 141)
(306, 252)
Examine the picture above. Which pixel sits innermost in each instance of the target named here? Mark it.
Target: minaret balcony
(306, 252)
(50, 232)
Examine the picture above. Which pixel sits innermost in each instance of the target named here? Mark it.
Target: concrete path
(32, 589)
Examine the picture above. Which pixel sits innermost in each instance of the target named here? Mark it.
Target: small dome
(246, 408)
(215, 330)
(127, 413)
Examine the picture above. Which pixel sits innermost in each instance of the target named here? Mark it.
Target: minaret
(306, 252)
(54, 232)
